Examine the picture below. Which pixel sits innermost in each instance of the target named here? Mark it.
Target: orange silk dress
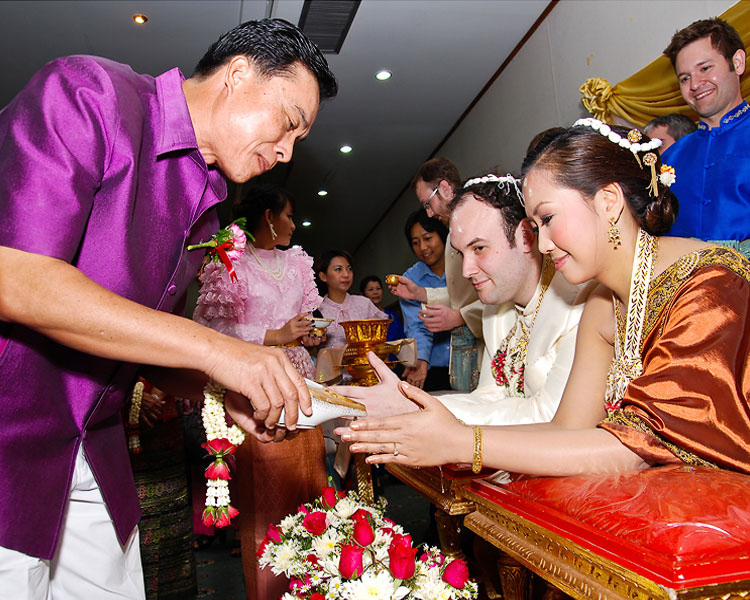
(690, 404)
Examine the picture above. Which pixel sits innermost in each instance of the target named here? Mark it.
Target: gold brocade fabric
(654, 91)
(691, 402)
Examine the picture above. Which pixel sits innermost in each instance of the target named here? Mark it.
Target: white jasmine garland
(221, 441)
(614, 137)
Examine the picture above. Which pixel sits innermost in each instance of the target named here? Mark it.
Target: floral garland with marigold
(340, 548)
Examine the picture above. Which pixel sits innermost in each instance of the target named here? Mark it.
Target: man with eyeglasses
(455, 308)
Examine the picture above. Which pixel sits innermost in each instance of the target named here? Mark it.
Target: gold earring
(613, 235)
(273, 231)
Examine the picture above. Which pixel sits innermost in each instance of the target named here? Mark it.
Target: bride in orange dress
(661, 371)
(269, 304)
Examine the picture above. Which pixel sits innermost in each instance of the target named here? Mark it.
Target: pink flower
(363, 533)
(402, 557)
(232, 511)
(303, 509)
(239, 242)
(219, 447)
(274, 533)
(315, 522)
(209, 516)
(456, 573)
(350, 562)
(218, 470)
(297, 585)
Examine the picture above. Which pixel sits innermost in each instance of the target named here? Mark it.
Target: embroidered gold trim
(735, 115)
(628, 418)
(665, 285)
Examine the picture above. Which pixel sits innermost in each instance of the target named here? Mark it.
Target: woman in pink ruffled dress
(269, 304)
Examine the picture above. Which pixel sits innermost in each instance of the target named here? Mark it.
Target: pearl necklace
(278, 273)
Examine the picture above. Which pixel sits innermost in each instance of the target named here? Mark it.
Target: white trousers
(89, 563)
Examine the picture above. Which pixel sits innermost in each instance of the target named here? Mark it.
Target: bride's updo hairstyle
(587, 159)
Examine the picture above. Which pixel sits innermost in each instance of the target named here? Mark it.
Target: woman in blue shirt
(426, 237)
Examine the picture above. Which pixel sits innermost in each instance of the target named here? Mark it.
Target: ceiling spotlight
(323, 193)
(140, 19)
(306, 223)
(383, 75)
(345, 149)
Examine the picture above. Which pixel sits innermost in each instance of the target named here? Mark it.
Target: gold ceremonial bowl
(362, 336)
(366, 330)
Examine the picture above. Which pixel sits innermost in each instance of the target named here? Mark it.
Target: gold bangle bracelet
(476, 464)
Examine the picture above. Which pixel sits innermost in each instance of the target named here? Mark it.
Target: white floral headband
(503, 182)
(632, 143)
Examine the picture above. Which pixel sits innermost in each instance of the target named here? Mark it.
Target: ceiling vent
(326, 22)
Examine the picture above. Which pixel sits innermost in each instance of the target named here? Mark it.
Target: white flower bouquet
(338, 547)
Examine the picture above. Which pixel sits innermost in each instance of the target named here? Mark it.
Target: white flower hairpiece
(503, 182)
(631, 142)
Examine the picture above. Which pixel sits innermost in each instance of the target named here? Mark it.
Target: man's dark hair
(724, 39)
(677, 125)
(429, 224)
(504, 197)
(274, 46)
(436, 170)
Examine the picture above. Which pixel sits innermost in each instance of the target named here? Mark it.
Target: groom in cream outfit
(529, 322)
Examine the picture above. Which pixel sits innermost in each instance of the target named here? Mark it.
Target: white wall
(539, 89)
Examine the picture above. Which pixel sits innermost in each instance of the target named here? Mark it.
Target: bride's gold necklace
(278, 272)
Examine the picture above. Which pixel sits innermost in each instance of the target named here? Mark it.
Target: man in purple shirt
(106, 176)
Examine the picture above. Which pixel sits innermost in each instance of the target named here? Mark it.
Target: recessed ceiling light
(306, 223)
(323, 193)
(140, 19)
(383, 75)
(345, 149)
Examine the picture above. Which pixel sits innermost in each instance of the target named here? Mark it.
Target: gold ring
(395, 449)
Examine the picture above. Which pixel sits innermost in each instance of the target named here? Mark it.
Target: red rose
(456, 573)
(361, 514)
(363, 533)
(219, 447)
(315, 522)
(232, 511)
(350, 562)
(329, 497)
(317, 596)
(222, 519)
(312, 559)
(302, 508)
(402, 557)
(209, 516)
(218, 470)
(263, 546)
(274, 533)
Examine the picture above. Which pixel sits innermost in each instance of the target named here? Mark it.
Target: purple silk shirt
(99, 167)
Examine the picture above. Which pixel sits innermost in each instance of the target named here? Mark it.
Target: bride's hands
(298, 326)
(385, 398)
(432, 436)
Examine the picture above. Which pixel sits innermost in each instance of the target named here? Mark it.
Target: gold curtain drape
(653, 91)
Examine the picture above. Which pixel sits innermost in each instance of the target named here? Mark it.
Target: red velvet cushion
(679, 526)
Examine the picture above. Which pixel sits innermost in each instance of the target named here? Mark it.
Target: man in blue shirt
(713, 164)
(426, 237)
